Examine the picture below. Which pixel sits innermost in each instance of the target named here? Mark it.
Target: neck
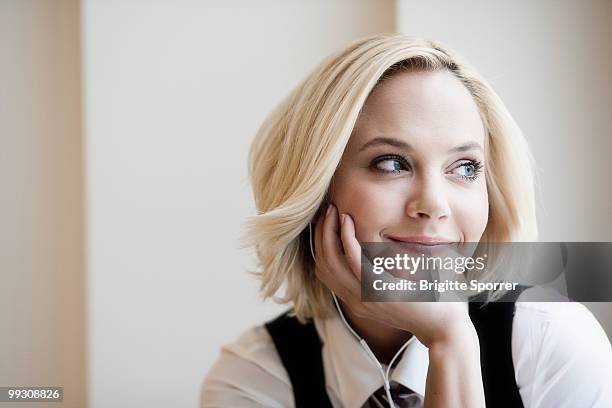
(383, 340)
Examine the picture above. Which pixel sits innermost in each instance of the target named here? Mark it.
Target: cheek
(471, 214)
(371, 206)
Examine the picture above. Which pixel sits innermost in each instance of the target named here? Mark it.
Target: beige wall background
(42, 279)
(124, 130)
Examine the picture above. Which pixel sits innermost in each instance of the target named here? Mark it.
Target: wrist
(458, 334)
(455, 377)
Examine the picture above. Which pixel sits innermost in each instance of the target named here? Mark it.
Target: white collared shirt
(562, 358)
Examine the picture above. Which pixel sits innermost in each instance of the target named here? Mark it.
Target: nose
(428, 199)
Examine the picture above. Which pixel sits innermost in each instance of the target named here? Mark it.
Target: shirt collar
(352, 374)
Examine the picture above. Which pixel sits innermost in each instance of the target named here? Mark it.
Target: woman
(396, 138)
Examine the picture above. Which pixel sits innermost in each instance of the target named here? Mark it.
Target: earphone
(362, 341)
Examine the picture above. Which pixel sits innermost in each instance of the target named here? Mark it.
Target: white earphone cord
(362, 341)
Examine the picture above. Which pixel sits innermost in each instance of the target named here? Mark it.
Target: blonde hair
(299, 146)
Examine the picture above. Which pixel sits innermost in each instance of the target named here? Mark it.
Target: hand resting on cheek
(338, 266)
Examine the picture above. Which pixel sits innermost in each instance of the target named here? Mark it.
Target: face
(413, 169)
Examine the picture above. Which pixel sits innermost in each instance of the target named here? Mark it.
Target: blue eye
(469, 170)
(390, 164)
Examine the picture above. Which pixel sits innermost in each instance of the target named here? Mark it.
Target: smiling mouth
(422, 245)
(422, 240)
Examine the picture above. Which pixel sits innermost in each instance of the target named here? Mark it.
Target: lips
(422, 240)
(428, 245)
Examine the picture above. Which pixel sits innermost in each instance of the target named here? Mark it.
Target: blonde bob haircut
(299, 145)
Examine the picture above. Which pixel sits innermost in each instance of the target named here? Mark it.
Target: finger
(351, 245)
(318, 236)
(323, 270)
(334, 256)
(332, 246)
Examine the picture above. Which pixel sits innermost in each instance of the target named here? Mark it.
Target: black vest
(299, 348)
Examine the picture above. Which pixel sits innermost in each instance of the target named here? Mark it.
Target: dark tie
(403, 397)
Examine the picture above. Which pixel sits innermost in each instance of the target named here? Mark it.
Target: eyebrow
(378, 141)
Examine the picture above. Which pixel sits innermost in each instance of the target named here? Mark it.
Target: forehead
(428, 109)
